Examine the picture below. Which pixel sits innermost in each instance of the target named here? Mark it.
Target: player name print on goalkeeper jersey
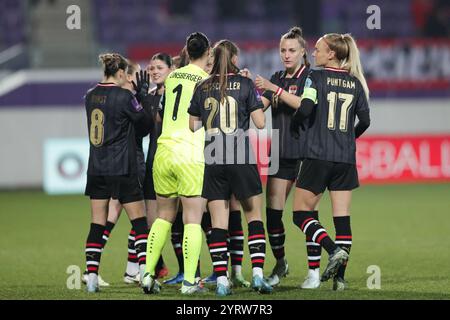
(176, 135)
(340, 96)
(227, 123)
(111, 112)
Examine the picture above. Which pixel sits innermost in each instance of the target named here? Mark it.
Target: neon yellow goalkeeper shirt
(179, 89)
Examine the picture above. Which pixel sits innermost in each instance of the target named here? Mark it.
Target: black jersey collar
(335, 69)
(107, 84)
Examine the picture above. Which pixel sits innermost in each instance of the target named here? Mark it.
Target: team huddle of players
(200, 169)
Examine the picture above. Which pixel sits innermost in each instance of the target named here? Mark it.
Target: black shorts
(317, 175)
(126, 189)
(149, 187)
(220, 181)
(287, 170)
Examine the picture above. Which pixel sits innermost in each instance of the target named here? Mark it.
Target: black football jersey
(330, 135)
(289, 146)
(151, 104)
(111, 112)
(226, 123)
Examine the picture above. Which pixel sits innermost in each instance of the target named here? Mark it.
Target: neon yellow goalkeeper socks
(157, 237)
(192, 245)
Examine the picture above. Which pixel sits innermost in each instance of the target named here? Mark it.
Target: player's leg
(340, 201)
(166, 188)
(236, 244)
(132, 275)
(277, 192)
(246, 186)
(94, 242)
(192, 236)
(114, 210)
(256, 241)
(313, 180)
(150, 207)
(313, 252)
(167, 210)
(177, 241)
(189, 175)
(343, 181)
(136, 213)
(207, 229)
(218, 246)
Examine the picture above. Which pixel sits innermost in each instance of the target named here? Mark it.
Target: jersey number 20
(96, 131)
(228, 115)
(346, 105)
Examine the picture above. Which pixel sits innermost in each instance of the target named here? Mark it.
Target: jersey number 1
(178, 90)
(346, 105)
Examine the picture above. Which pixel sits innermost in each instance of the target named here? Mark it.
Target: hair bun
(112, 62)
(296, 30)
(197, 44)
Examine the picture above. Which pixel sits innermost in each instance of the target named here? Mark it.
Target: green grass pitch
(403, 229)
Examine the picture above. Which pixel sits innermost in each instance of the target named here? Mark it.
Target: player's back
(179, 88)
(331, 135)
(110, 110)
(228, 120)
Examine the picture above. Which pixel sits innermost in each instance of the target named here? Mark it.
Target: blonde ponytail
(353, 62)
(347, 53)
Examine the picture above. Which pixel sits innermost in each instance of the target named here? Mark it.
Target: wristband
(279, 91)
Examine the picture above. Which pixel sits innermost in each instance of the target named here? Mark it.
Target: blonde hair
(347, 53)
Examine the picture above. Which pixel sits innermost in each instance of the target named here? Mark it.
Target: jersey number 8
(96, 131)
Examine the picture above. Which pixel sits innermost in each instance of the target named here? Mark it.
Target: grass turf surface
(403, 229)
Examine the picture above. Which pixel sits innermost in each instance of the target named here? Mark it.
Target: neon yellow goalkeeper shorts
(177, 173)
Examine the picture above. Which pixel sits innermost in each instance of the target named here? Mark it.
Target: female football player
(283, 93)
(113, 170)
(178, 169)
(332, 98)
(224, 104)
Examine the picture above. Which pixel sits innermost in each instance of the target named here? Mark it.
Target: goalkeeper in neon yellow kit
(178, 169)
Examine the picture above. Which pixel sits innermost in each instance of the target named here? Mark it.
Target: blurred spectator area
(12, 23)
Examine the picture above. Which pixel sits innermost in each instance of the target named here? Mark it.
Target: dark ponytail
(297, 33)
(197, 44)
(112, 62)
